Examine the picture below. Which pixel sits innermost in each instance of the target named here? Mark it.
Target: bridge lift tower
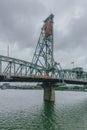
(43, 56)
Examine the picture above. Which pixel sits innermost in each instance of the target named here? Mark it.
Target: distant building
(75, 73)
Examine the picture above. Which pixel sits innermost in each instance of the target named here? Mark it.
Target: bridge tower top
(43, 54)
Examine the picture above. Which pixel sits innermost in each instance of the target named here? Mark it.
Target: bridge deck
(40, 79)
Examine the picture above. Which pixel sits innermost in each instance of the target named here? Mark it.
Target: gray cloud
(21, 21)
(72, 37)
(18, 20)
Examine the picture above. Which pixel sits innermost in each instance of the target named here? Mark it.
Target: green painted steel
(43, 55)
(12, 66)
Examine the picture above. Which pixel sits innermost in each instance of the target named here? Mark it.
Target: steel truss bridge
(15, 70)
(43, 67)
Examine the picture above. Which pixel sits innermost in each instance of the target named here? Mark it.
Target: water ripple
(26, 110)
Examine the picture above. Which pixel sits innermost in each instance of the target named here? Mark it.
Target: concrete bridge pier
(49, 92)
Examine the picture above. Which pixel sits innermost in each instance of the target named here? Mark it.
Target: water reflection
(48, 116)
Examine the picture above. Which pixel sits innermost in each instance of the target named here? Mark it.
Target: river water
(26, 110)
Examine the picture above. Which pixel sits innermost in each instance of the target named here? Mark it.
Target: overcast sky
(21, 22)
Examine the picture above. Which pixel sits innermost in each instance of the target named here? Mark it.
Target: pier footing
(49, 92)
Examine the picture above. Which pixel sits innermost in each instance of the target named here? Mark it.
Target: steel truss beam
(12, 66)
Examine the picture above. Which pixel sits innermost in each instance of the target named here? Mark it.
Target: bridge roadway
(41, 79)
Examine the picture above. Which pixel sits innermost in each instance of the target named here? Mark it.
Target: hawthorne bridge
(43, 67)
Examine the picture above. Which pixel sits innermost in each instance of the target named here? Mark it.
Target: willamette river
(26, 110)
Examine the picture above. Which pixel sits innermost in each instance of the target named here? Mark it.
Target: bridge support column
(49, 92)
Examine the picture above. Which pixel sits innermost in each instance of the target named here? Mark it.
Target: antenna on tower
(8, 50)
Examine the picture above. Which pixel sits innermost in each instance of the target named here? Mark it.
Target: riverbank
(29, 87)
